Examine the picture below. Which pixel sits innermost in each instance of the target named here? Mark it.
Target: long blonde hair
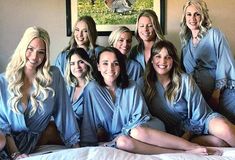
(205, 24)
(115, 35)
(156, 26)
(15, 72)
(92, 33)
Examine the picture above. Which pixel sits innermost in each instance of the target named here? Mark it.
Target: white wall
(221, 14)
(17, 15)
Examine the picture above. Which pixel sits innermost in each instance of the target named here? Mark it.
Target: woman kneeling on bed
(115, 106)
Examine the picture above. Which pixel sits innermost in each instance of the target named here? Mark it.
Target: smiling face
(145, 29)
(162, 63)
(35, 54)
(193, 18)
(109, 67)
(123, 43)
(78, 67)
(81, 34)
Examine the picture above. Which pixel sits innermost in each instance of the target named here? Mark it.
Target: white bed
(106, 153)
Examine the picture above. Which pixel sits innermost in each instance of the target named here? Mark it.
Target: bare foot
(206, 151)
(214, 151)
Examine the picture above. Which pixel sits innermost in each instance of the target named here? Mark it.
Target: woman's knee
(217, 142)
(2, 141)
(222, 128)
(50, 135)
(125, 143)
(139, 132)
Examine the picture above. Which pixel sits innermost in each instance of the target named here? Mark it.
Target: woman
(175, 98)
(84, 36)
(121, 38)
(78, 73)
(31, 93)
(147, 31)
(206, 55)
(115, 104)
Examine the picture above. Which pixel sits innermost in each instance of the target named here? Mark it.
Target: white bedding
(106, 153)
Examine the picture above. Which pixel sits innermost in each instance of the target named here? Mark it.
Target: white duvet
(106, 153)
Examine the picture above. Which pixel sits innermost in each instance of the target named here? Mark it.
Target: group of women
(136, 99)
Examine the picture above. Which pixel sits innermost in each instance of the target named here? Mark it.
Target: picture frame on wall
(109, 14)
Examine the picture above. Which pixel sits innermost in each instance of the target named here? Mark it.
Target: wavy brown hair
(150, 76)
(69, 77)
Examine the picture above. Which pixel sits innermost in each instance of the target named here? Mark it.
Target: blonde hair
(156, 26)
(205, 24)
(15, 72)
(92, 33)
(69, 77)
(115, 35)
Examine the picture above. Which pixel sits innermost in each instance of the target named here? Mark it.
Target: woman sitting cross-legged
(116, 105)
(174, 97)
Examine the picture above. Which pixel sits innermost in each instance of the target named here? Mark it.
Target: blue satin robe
(134, 69)
(188, 112)
(26, 130)
(213, 67)
(127, 111)
(137, 54)
(77, 105)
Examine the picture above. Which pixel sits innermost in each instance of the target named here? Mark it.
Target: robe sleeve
(61, 62)
(5, 126)
(225, 70)
(199, 113)
(139, 113)
(63, 114)
(88, 127)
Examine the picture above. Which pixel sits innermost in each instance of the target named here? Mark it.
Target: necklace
(195, 41)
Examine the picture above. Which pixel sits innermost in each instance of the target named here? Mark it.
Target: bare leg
(134, 146)
(161, 139)
(50, 136)
(2, 141)
(210, 141)
(151, 141)
(223, 129)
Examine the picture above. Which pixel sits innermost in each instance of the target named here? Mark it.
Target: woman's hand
(20, 156)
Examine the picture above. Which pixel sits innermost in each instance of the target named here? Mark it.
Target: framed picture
(109, 14)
